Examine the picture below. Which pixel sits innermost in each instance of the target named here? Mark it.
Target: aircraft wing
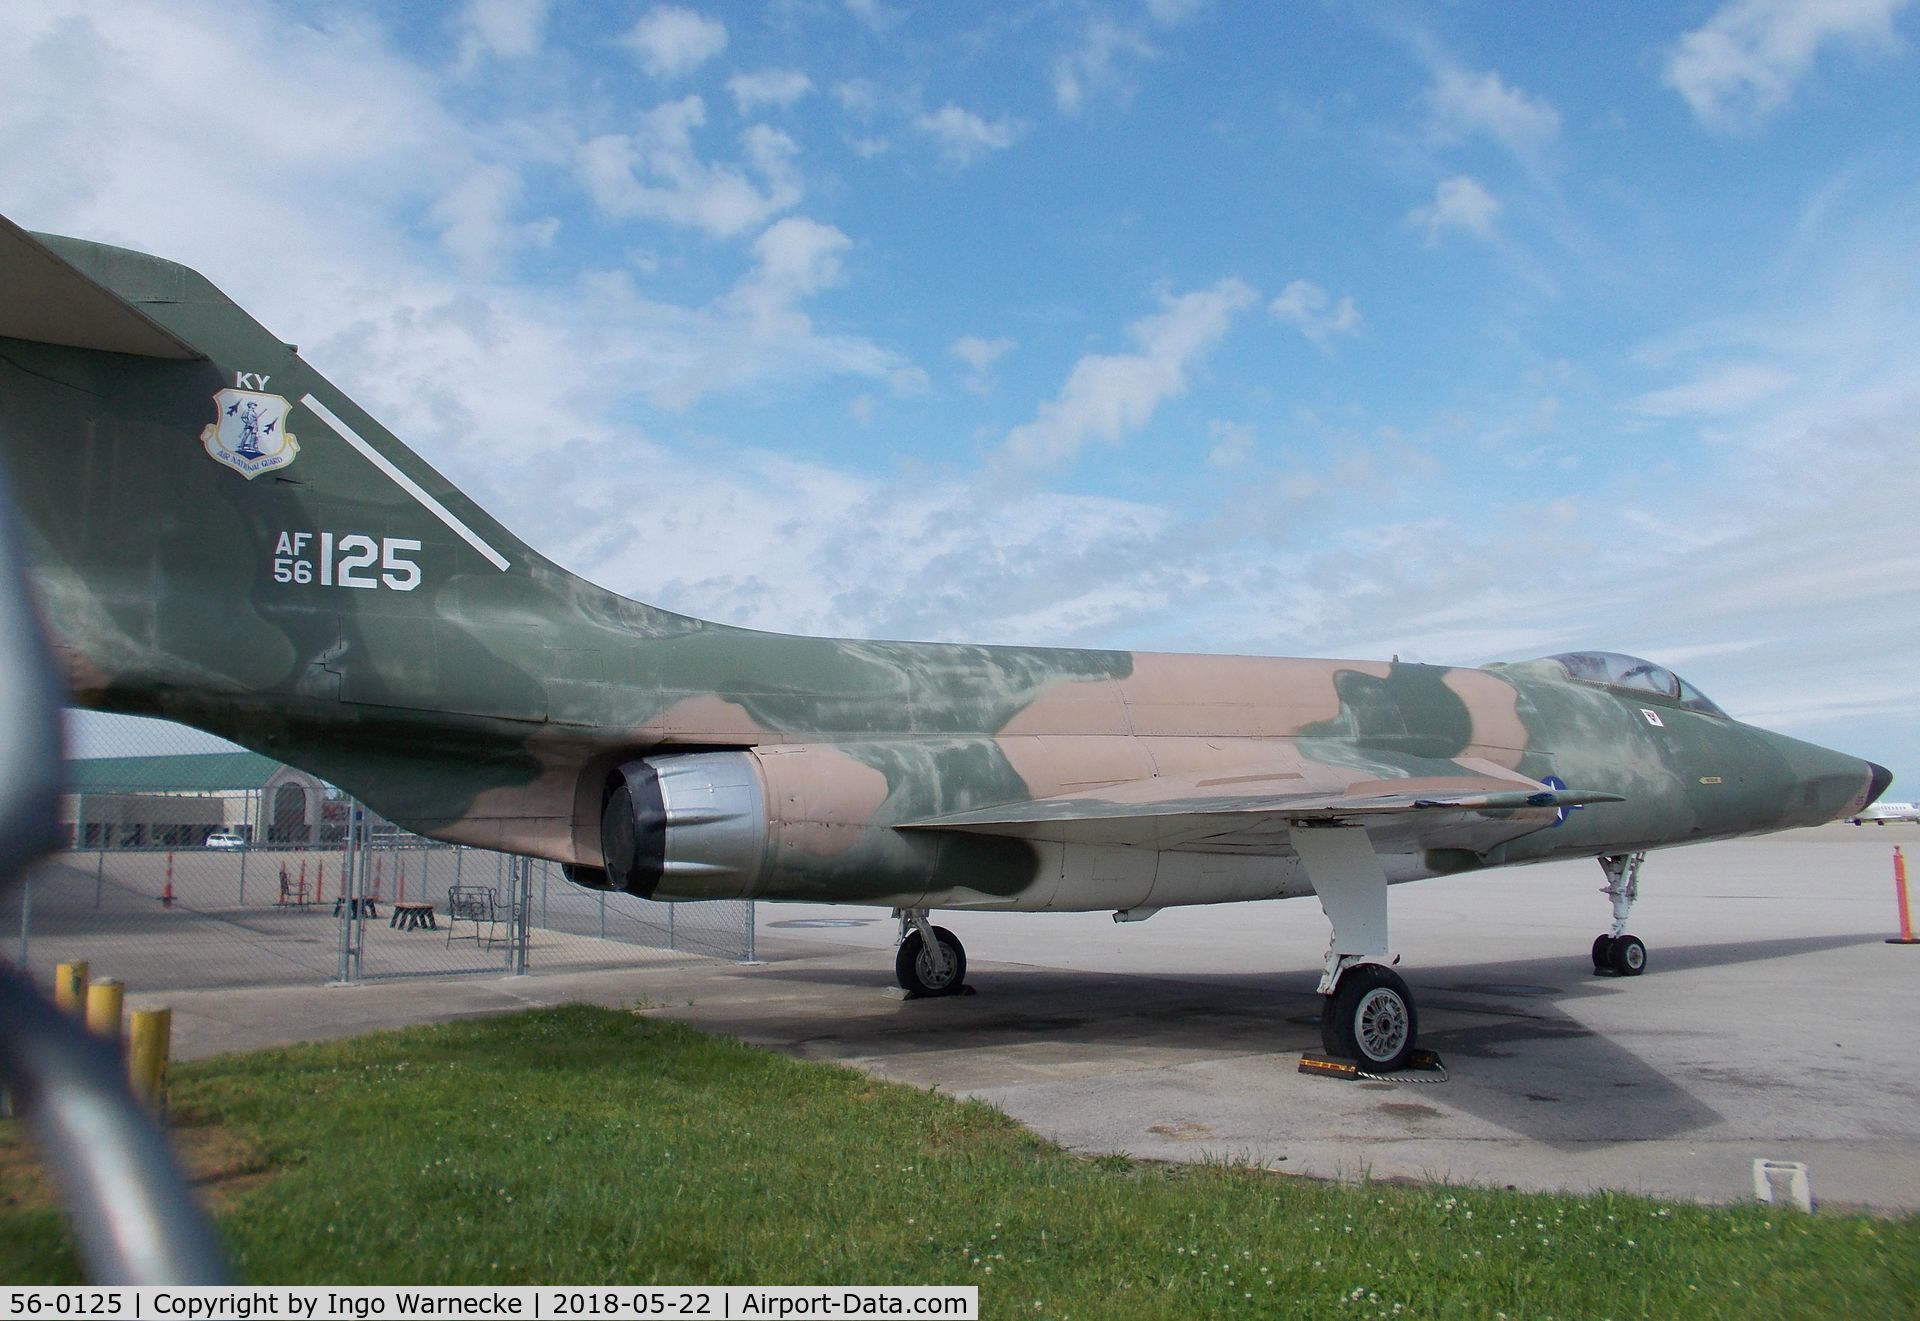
(1473, 811)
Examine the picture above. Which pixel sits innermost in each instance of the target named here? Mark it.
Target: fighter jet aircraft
(222, 537)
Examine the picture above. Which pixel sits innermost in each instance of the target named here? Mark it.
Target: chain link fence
(190, 864)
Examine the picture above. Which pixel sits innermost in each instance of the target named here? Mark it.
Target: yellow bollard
(104, 1000)
(70, 987)
(150, 1043)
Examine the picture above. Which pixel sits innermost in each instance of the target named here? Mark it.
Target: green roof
(199, 772)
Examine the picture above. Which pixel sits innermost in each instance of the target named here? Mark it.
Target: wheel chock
(1423, 1061)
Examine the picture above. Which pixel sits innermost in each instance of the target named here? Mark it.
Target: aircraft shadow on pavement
(1519, 1059)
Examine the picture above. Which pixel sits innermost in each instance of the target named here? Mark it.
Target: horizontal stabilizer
(45, 300)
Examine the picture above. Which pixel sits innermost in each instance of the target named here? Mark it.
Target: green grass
(583, 1145)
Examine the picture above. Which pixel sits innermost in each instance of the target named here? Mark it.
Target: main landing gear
(1368, 1014)
(930, 960)
(1370, 1018)
(1618, 952)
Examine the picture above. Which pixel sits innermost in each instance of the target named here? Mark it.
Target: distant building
(177, 801)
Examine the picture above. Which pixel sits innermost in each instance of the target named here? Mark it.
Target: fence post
(672, 909)
(100, 870)
(750, 921)
(26, 916)
(245, 849)
(603, 914)
(357, 913)
(520, 877)
(348, 873)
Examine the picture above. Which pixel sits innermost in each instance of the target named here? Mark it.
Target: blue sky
(1465, 332)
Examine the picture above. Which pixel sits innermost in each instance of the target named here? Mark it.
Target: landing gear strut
(930, 960)
(1368, 1013)
(1618, 952)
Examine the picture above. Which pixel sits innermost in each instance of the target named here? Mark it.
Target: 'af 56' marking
(347, 560)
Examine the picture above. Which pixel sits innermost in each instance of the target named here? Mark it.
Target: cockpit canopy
(1614, 670)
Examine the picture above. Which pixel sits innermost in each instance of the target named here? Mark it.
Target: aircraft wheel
(1628, 956)
(1370, 1018)
(920, 972)
(1603, 953)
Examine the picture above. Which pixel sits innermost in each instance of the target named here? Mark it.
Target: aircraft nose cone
(1879, 777)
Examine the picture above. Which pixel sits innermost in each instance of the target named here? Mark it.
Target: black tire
(1628, 956)
(921, 975)
(1603, 953)
(1370, 1019)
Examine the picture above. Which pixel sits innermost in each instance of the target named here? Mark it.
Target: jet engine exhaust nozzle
(691, 826)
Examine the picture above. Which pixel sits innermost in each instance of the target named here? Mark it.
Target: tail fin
(213, 522)
(49, 301)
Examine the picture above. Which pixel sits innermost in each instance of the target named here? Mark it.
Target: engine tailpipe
(689, 826)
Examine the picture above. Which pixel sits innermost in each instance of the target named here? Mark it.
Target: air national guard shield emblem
(249, 432)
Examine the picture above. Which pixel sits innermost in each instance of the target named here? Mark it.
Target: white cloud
(1466, 103)
(1170, 13)
(980, 354)
(1109, 395)
(1304, 305)
(351, 151)
(859, 97)
(344, 132)
(1233, 445)
(1745, 61)
(654, 173)
(1459, 204)
(474, 222)
(510, 29)
(877, 16)
(1100, 66)
(965, 137)
(670, 41)
(797, 258)
(780, 88)
(1727, 389)
(772, 154)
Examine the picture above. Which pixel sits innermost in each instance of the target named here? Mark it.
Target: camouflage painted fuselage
(345, 609)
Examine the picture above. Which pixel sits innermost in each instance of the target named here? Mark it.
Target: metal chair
(477, 904)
